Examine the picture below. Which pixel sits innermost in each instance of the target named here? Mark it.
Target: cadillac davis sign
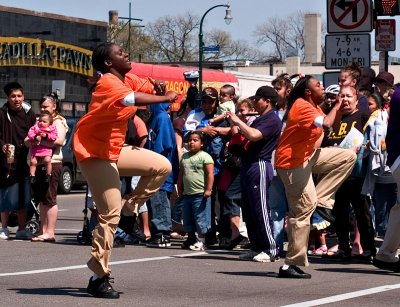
(19, 51)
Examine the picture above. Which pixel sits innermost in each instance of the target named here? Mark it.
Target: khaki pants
(388, 250)
(335, 165)
(103, 180)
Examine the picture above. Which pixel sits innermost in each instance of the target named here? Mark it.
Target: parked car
(71, 175)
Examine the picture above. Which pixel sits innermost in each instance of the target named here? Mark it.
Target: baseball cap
(209, 92)
(385, 77)
(265, 92)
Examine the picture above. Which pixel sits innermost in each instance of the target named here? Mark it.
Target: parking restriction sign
(385, 35)
(343, 49)
(349, 16)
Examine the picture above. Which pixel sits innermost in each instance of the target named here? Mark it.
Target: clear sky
(247, 14)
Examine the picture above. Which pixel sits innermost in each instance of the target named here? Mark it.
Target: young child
(226, 96)
(195, 181)
(42, 130)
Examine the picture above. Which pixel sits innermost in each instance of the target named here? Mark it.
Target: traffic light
(387, 7)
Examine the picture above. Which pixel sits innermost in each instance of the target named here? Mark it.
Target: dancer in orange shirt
(103, 157)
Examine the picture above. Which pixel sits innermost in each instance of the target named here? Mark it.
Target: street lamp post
(228, 18)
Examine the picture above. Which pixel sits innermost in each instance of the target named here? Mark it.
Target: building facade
(48, 52)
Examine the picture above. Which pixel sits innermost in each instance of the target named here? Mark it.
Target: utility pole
(130, 18)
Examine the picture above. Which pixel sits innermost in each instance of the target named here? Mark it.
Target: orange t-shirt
(297, 141)
(101, 132)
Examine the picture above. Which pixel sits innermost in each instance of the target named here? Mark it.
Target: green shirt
(194, 176)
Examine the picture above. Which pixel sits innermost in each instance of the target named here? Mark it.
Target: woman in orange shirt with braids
(103, 157)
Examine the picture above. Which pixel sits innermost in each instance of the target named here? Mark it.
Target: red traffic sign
(385, 35)
(349, 16)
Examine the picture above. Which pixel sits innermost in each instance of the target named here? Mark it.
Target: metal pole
(129, 32)
(201, 45)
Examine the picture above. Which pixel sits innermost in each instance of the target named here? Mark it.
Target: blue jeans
(16, 197)
(385, 196)
(160, 213)
(196, 213)
(176, 211)
(279, 207)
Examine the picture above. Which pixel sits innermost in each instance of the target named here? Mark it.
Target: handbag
(237, 147)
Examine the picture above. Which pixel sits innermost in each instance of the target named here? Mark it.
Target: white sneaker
(264, 257)
(4, 234)
(23, 234)
(198, 246)
(249, 255)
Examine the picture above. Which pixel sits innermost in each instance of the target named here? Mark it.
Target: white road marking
(345, 296)
(322, 301)
(77, 267)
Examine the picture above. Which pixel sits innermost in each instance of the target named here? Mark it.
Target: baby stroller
(84, 237)
(32, 219)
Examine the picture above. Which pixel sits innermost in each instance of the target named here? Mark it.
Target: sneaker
(293, 272)
(160, 241)
(264, 257)
(311, 250)
(320, 251)
(240, 241)
(188, 242)
(118, 242)
(339, 255)
(23, 234)
(198, 246)
(101, 287)
(4, 234)
(131, 240)
(249, 255)
(224, 243)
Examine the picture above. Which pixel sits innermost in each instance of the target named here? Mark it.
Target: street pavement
(55, 274)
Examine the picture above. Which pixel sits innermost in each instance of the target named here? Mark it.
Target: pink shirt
(42, 150)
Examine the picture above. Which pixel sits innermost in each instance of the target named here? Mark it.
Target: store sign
(20, 51)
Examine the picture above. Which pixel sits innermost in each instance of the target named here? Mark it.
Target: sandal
(43, 239)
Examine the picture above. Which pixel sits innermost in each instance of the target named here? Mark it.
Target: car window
(69, 132)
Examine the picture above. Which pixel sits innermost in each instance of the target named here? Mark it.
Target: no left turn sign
(349, 16)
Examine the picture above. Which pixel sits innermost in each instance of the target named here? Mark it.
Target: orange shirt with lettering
(297, 141)
(101, 132)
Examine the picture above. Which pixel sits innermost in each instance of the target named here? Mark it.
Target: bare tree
(172, 37)
(282, 34)
(230, 50)
(137, 43)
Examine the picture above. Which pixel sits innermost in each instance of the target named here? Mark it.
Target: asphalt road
(41, 274)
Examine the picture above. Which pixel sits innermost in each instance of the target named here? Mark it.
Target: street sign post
(349, 16)
(343, 49)
(385, 35)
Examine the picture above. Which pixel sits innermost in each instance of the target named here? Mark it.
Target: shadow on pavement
(252, 274)
(76, 292)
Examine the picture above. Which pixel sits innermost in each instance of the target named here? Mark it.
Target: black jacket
(14, 127)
